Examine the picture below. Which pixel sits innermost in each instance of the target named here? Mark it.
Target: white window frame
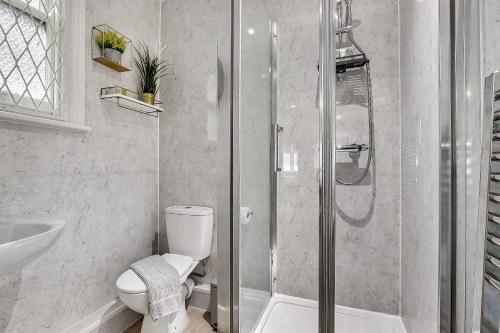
(73, 74)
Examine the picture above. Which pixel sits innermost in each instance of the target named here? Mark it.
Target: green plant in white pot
(151, 70)
(112, 45)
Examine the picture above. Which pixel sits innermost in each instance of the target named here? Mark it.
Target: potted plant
(112, 45)
(151, 70)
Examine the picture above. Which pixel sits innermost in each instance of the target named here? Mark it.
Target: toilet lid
(131, 283)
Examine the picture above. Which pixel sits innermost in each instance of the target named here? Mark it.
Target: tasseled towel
(163, 283)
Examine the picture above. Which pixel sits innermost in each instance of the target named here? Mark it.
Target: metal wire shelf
(129, 100)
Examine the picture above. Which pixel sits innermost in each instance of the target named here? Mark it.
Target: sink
(25, 239)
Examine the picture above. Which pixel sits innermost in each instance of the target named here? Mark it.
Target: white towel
(163, 283)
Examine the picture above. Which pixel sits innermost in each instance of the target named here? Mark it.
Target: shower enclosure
(317, 230)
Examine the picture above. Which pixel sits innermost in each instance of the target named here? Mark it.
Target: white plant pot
(113, 55)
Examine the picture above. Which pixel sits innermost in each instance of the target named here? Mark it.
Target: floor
(199, 322)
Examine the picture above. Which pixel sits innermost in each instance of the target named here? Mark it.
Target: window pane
(34, 3)
(30, 56)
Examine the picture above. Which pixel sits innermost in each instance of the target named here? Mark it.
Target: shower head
(351, 61)
(351, 56)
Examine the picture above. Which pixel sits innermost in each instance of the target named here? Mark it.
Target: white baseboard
(96, 319)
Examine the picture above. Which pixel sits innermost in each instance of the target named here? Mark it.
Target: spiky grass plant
(151, 69)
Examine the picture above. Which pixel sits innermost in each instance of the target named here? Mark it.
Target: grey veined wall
(369, 223)
(368, 246)
(419, 165)
(188, 130)
(103, 184)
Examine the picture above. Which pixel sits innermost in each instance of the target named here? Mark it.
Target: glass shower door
(284, 139)
(256, 202)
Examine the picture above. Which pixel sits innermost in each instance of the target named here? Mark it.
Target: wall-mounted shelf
(129, 100)
(100, 54)
(111, 64)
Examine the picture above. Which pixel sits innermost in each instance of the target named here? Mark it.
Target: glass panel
(368, 178)
(279, 142)
(15, 48)
(482, 28)
(255, 159)
(34, 3)
(489, 211)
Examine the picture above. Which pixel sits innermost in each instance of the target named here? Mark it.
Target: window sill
(42, 122)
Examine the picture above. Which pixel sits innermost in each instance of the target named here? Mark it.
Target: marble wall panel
(102, 183)
(188, 128)
(368, 221)
(419, 81)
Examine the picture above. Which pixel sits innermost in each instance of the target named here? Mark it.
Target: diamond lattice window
(31, 56)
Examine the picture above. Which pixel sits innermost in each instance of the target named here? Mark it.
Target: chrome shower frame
(274, 168)
(227, 214)
(327, 82)
(467, 97)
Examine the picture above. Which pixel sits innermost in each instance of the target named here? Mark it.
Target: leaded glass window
(31, 56)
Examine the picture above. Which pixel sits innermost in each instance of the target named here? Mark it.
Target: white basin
(23, 240)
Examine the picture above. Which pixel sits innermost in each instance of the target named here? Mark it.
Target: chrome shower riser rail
(344, 16)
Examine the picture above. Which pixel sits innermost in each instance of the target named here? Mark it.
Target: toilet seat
(131, 283)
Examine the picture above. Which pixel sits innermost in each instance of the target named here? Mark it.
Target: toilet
(189, 235)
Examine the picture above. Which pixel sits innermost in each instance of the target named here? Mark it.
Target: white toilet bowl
(133, 293)
(189, 235)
